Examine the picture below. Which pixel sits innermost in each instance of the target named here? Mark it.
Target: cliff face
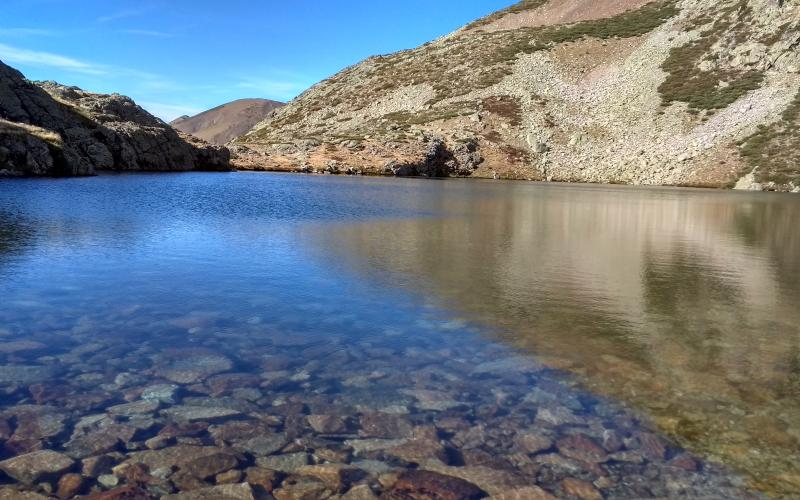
(227, 122)
(666, 92)
(49, 129)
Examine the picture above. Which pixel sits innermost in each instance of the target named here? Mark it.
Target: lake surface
(583, 340)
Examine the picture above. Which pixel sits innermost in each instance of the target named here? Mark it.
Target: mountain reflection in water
(683, 303)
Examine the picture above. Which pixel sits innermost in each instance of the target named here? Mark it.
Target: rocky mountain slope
(665, 92)
(50, 129)
(227, 122)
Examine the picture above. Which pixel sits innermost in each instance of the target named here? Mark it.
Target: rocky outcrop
(50, 129)
(666, 92)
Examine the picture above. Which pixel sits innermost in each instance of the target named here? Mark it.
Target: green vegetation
(715, 88)
(483, 61)
(421, 117)
(775, 149)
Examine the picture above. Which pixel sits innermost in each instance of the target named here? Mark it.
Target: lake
(517, 338)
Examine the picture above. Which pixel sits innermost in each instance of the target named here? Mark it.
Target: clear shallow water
(392, 324)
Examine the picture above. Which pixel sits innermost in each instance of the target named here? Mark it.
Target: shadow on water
(682, 303)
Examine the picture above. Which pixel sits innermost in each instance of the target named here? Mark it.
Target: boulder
(419, 484)
(37, 466)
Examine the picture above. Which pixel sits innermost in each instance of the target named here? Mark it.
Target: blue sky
(178, 57)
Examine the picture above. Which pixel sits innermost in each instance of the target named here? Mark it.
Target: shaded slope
(50, 129)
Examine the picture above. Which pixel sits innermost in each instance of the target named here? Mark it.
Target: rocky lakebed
(259, 411)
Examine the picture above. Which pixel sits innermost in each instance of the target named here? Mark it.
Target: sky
(181, 57)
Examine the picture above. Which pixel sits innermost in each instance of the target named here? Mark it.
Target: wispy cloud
(15, 55)
(169, 112)
(147, 81)
(123, 14)
(283, 89)
(25, 32)
(150, 33)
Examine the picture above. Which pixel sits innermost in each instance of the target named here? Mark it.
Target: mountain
(227, 122)
(665, 92)
(50, 129)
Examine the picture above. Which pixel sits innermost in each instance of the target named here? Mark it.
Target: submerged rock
(241, 491)
(37, 466)
(164, 393)
(289, 462)
(189, 414)
(418, 484)
(192, 367)
(26, 374)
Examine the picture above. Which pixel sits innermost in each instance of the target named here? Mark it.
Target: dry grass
(14, 128)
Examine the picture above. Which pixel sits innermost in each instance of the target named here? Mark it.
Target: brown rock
(210, 465)
(37, 466)
(426, 485)
(581, 489)
(581, 448)
(302, 488)
(137, 474)
(232, 476)
(225, 383)
(685, 461)
(337, 477)
(174, 456)
(524, 493)
(265, 479)
(13, 494)
(492, 481)
(360, 492)
(70, 485)
(424, 446)
(531, 442)
(193, 429)
(327, 424)
(188, 366)
(95, 466)
(222, 492)
(650, 445)
(384, 425)
(123, 493)
(44, 393)
(96, 443)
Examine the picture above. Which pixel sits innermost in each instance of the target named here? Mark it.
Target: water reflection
(684, 303)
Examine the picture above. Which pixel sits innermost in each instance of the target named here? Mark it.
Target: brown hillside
(667, 92)
(227, 122)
